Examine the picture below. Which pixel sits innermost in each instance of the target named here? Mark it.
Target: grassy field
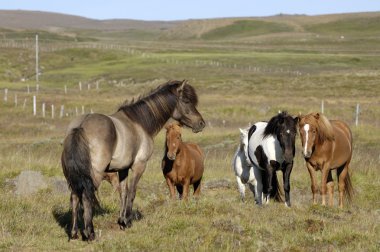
(239, 81)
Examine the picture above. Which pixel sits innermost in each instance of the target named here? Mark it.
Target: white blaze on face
(306, 128)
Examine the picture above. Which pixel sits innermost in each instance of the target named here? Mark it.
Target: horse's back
(269, 146)
(196, 156)
(343, 142)
(196, 149)
(343, 127)
(133, 143)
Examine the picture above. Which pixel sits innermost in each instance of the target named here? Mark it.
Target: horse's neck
(153, 119)
(241, 149)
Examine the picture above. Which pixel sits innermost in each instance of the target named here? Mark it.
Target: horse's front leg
(325, 175)
(313, 178)
(137, 170)
(123, 180)
(259, 185)
(170, 184)
(270, 170)
(286, 177)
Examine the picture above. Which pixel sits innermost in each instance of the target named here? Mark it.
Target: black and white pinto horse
(271, 147)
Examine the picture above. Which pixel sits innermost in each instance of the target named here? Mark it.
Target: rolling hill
(208, 29)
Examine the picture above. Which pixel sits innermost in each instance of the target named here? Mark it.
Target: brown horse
(183, 163)
(327, 145)
(97, 145)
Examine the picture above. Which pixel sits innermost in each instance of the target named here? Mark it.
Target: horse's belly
(119, 163)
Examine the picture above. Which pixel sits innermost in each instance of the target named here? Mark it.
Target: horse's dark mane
(153, 110)
(274, 122)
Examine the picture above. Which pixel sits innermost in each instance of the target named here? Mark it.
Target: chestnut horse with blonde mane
(182, 164)
(327, 145)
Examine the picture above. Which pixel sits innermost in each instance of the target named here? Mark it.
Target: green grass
(342, 75)
(246, 28)
(368, 26)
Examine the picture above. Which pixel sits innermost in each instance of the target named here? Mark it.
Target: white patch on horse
(306, 128)
(288, 131)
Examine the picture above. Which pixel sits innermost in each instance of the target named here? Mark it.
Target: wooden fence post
(43, 110)
(6, 95)
(357, 114)
(62, 111)
(34, 105)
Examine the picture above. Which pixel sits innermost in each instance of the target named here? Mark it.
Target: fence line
(52, 46)
(62, 110)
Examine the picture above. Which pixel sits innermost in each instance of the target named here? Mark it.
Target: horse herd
(114, 147)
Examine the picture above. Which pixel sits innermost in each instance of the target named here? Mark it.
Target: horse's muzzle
(199, 127)
(171, 156)
(306, 154)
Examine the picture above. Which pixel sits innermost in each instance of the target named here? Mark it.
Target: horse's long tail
(76, 164)
(349, 192)
(276, 194)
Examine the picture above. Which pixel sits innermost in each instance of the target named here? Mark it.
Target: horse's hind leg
(330, 188)
(137, 170)
(74, 199)
(342, 173)
(123, 175)
(186, 189)
(197, 188)
(241, 187)
(87, 218)
(253, 189)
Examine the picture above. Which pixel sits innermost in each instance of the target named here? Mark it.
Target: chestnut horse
(183, 163)
(327, 145)
(98, 146)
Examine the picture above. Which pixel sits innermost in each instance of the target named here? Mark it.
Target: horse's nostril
(202, 124)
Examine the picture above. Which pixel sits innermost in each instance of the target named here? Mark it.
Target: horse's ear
(180, 88)
(296, 119)
(316, 116)
(281, 120)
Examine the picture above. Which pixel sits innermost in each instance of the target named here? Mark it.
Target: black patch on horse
(276, 165)
(251, 131)
(262, 159)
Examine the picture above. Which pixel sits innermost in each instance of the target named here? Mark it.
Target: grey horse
(98, 145)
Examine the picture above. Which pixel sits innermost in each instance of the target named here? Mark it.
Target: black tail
(276, 194)
(349, 192)
(76, 164)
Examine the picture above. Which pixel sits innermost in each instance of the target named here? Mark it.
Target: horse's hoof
(88, 236)
(74, 236)
(124, 223)
(287, 204)
(91, 237)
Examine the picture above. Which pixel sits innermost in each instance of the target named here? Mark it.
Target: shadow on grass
(63, 217)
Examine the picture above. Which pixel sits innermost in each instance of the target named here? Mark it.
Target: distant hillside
(61, 26)
(46, 20)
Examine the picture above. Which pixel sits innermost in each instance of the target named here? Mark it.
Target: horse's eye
(185, 100)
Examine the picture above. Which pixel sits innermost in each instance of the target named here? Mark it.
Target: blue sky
(190, 9)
